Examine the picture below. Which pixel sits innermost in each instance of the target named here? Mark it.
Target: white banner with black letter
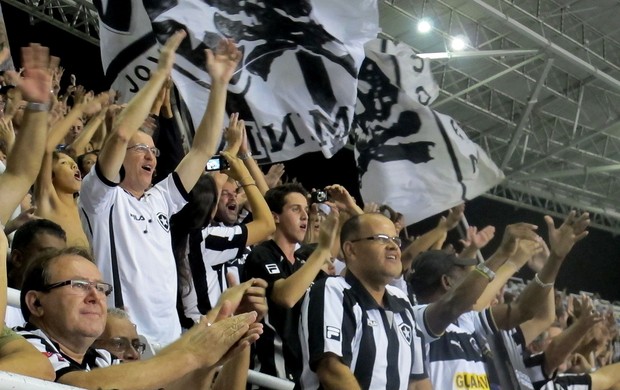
(410, 157)
(297, 83)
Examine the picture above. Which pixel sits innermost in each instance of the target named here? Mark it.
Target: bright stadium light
(458, 43)
(424, 26)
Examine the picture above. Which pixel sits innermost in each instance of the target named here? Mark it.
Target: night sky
(594, 264)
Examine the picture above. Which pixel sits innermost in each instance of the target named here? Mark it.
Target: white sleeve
(95, 191)
(419, 314)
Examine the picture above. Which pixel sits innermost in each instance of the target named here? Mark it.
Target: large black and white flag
(409, 156)
(297, 83)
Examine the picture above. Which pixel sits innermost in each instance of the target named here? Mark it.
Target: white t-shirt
(131, 242)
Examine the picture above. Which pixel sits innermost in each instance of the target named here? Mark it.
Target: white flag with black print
(409, 156)
(296, 85)
(129, 50)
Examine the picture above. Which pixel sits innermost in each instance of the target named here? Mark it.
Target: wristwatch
(244, 156)
(37, 107)
(486, 271)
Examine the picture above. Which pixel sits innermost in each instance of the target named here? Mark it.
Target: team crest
(163, 221)
(405, 330)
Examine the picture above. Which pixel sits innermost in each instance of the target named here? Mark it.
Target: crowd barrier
(20, 382)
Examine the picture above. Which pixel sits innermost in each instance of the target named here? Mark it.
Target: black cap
(428, 267)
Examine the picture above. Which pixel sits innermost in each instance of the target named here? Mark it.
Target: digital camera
(318, 196)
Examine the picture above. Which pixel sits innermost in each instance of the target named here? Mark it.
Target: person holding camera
(288, 277)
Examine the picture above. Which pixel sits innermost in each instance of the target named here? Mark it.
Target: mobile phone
(217, 163)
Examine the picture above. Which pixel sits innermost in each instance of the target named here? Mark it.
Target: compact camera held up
(318, 196)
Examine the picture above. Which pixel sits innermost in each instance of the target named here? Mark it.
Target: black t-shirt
(278, 350)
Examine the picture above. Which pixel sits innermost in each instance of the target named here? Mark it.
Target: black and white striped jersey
(210, 251)
(382, 346)
(94, 358)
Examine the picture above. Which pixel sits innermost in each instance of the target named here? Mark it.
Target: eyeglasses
(382, 238)
(143, 148)
(82, 286)
(122, 344)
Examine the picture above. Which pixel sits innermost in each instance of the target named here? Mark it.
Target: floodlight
(458, 43)
(424, 26)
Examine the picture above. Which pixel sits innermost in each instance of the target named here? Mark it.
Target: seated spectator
(120, 337)
(16, 354)
(30, 239)
(63, 298)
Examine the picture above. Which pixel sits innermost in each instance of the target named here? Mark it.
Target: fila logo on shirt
(272, 269)
(332, 333)
(405, 330)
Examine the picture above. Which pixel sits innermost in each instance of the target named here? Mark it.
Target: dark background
(594, 264)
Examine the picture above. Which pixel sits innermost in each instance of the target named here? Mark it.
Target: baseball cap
(429, 266)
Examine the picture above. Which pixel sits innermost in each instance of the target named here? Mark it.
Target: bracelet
(244, 156)
(540, 282)
(485, 271)
(37, 107)
(249, 184)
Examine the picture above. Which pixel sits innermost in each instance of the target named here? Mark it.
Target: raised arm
(221, 65)
(476, 240)
(561, 241)
(133, 116)
(563, 345)
(426, 241)
(98, 112)
(527, 249)
(237, 145)
(542, 320)
(24, 162)
(44, 191)
(461, 299)
(287, 292)
(262, 225)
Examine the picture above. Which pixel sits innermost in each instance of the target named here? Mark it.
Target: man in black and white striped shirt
(357, 331)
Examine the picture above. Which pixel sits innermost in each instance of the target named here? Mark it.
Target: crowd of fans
(123, 244)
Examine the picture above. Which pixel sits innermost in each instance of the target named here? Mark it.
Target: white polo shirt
(131, 242)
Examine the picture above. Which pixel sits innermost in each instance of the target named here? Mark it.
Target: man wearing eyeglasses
(120, 337)
(127, 221)
(63, 300)
(358, 332)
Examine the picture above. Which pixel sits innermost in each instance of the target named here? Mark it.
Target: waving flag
(296, 85)
(418, 161)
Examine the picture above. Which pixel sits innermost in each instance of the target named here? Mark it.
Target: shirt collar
(390, 302)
